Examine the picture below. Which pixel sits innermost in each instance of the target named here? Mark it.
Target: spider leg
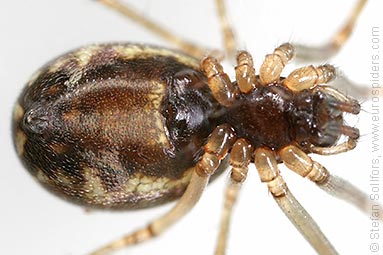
(155, 28)
(227, 30)
(355, 90)
(351, 88)
(274, 63)
(192, 49)
(326, 51)
(240, 157)
(298, 161)
(329, 49)
(267, 167)
(245, 72)
(219, 82)
(217, 147)
(348, 145)
(309, 77)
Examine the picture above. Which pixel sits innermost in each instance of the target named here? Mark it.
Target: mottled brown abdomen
(115, 125)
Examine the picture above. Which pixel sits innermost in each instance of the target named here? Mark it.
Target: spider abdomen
(115, 125)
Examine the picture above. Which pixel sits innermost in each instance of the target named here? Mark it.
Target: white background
(32, 221)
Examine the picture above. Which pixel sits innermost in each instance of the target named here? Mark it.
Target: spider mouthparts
(344, 130)
(335, 128)
(350, 132)
(351, 106)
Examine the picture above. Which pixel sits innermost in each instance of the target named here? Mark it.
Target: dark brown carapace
(122, 125)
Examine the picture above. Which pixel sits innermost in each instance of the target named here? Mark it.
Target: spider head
(319, 116)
